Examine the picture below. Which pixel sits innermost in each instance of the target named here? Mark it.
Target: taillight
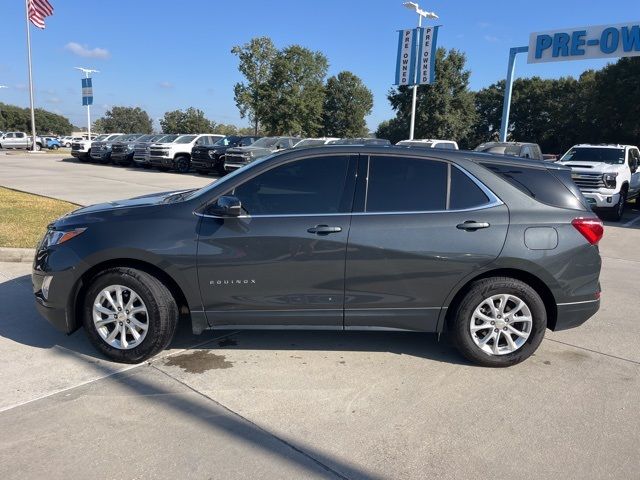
(590, 228)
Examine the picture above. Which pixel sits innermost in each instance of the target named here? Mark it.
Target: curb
(17, 254)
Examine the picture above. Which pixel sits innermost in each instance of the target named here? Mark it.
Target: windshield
(613, 156)
(144, 138)
(226, 141)
(128, 138)
(265, 142)
(168, 138)
(98, 138)
(409, 143)
(310, 142)
(186, 139)
(115, 138)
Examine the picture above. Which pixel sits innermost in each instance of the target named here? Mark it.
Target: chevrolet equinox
(491, 250)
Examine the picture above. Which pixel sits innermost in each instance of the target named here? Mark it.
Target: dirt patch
(199, 361)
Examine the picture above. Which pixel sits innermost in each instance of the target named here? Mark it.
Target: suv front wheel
(500, 322)
(129, 315)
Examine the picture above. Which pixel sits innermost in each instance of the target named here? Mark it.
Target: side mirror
(225, 206)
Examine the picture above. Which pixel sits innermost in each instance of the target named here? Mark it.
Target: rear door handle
(471, 226)
(324, 229)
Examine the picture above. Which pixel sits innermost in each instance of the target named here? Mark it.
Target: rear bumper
(572, 315)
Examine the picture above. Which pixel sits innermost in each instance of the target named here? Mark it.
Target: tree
(256, 58)
(294, 95)
(124, 120)
(19, 119)
(347, 102)
(445, 109)
(191, 120)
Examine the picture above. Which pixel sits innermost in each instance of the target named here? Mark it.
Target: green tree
(256, 58)
(445, 109)
(347, 102)
(19, 119)
(294, 95)
(125, 120)
(191, 120)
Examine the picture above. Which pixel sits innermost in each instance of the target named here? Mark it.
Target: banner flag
(87, 92)
(427, 55)
(406, 60)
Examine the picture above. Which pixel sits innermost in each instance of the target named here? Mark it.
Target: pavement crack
(635, 362)
(256, 426)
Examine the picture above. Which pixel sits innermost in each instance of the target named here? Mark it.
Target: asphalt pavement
(355, 405)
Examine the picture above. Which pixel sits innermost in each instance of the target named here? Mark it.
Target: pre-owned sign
(601, 41)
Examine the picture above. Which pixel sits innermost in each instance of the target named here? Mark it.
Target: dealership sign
(601, 41)
(415, 63)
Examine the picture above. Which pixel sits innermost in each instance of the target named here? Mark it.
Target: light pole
(87, 72)
(421, 14)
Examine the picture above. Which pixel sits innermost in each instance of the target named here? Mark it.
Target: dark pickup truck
(210, 158)
(122, 150)
(239, 156)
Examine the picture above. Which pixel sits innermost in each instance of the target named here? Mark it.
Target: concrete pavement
(65, 178)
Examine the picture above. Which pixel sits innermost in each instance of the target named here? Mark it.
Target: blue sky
(162, 55)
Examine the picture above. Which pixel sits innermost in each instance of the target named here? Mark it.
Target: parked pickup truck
(19, 140)
(141, 148)
(210, 158)
(81, 148)
(240, 156)
(122, 149)
(177, 154)
(101, 150)
(607, 175)
(429, 143)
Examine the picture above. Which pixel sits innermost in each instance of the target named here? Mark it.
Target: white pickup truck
(19, 140)
(81, 149)
(177, 154)
(607, 175)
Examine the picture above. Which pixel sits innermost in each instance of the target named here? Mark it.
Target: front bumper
(157, 161)
(572, 315)
(601, 200)
(231, 166)
(79, 154)
(124, 157)
(101, 155)
(58, 308)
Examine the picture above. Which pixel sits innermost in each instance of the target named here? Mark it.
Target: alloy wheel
(501, 324)
(120, 317)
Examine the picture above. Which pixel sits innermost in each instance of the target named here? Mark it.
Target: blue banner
(87, 92)
(427, 55)
(406, 60)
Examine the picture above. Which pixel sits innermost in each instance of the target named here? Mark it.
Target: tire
(477, 299)
(54, 147)
(38, 147)
(182, 164)
(617, 212)
(221, 171)
(161, 317)
(202, 172)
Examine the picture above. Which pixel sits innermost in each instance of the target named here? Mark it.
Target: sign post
(87, 94)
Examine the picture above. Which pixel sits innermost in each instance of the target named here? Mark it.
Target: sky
(163, 55)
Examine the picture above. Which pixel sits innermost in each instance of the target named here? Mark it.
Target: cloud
(491, 38)
(85, 51)
(166, 84)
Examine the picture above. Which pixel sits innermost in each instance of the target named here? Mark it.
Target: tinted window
(538, 183)
(406, 185)
(464, 192)
(309, 186)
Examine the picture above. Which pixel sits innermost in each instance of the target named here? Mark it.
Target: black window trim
(493, 200)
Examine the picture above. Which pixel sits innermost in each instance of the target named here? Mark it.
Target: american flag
(38, 9)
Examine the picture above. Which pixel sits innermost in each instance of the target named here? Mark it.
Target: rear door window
(465, 193)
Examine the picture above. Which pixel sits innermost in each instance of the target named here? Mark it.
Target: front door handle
(324, 229)
(471, 226)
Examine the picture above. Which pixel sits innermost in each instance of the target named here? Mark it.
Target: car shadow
(21, 323)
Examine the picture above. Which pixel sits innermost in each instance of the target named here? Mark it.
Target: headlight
(212, 154)
(609, 180)
(56, 237)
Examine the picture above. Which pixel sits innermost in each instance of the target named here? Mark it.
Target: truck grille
(588, 181)
(76, 146)
(118, 149)
(233, 158)
(158, 152)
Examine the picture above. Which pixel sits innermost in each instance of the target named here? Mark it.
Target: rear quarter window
(553, 189)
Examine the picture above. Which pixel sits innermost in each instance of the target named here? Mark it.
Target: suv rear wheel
(500, 322)
(129, 315)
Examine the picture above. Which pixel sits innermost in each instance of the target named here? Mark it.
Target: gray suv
(492, 250)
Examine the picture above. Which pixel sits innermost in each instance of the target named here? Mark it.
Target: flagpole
(33, 116)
